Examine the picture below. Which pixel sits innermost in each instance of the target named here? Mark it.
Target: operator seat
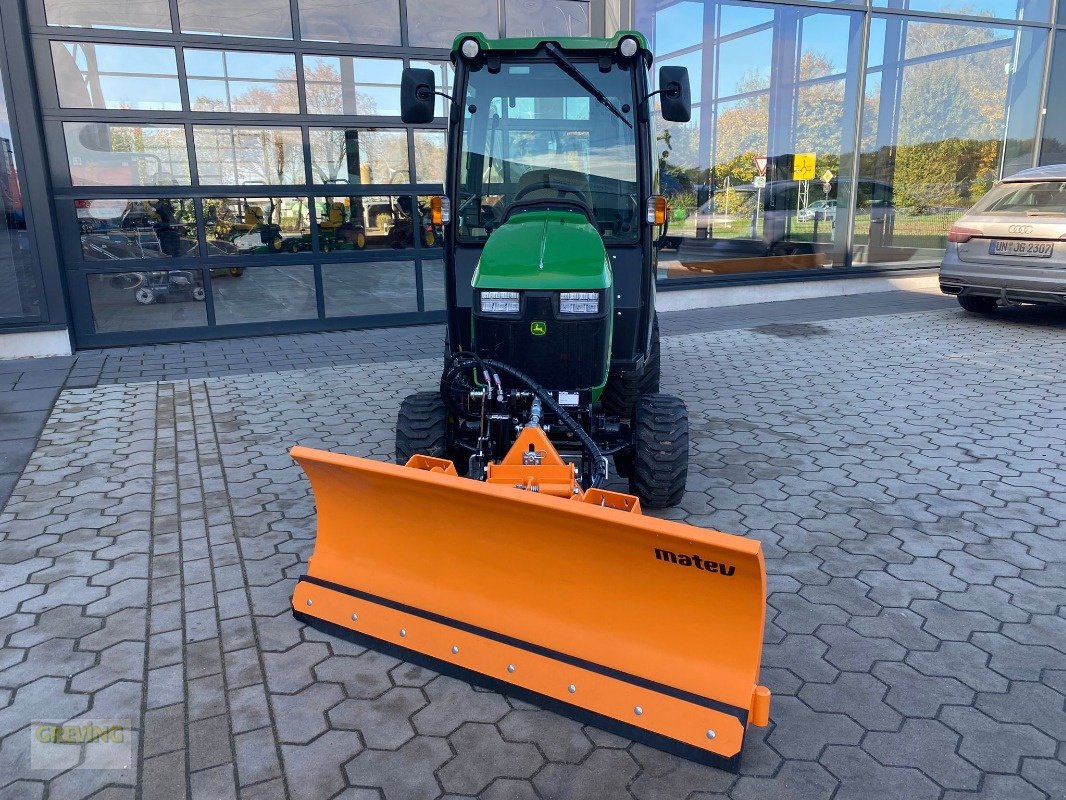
(554, 184)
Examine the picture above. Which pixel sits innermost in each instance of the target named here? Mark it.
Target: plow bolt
(571, 688)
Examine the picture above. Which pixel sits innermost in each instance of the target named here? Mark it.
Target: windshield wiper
(568, 66)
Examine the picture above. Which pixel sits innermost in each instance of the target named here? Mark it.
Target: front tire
(659, 467)
(422, 427)
(976, 304)
(624, 388)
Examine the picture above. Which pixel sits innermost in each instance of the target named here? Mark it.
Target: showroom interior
(175, 170)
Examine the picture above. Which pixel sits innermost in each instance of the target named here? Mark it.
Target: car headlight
(579, 303)
(499, 303)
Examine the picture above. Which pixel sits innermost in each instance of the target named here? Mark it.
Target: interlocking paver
(908, 499)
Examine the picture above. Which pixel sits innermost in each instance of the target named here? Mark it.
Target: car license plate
(1001, 247)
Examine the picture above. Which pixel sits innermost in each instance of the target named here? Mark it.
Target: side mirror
(417, 99)
(675, 98)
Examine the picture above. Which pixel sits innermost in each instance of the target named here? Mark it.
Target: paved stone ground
(904, 473)
(29, 387)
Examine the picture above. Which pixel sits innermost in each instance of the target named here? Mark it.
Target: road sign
(827, 176)
(760, 164)
(759, 181)
(803, 166)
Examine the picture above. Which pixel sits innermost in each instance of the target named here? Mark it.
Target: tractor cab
(555, 125)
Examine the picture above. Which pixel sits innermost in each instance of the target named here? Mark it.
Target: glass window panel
(20, 299)
(433, 296)
(270, 19)
(110, 154)
(237, 156)
(114, 230)
(350, 21)
(369, 288)
(1053, 146)
(257, 225)
(346, 85)
(135, 15)
(371, 222)
(431, 148)
(431, 23)
(240, 81)
(263, 294)
(786, 84)
(115, 76)
(678, 26)
(735, 18)
(138, 301)
(951, 109)
(445, 77)
(359, 155)
(744, 63)
(1033, 10)
(547, 18)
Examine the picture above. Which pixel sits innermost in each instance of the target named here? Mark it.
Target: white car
(819, 209)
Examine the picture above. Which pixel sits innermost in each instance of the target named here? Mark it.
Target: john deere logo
(538, 328)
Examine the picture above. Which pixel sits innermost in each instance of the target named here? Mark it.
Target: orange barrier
(646, 627)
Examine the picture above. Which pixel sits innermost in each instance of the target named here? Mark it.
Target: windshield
(532, 132)
(1038, 197)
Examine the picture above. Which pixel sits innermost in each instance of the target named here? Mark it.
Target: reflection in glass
(785, 90)
(430, 156)
(369, 288)
(548, 18)
(359, 155)
(134, 15)
(679, 26)
(109, 154)
(242, 81)
(431, 23)
(263, 294)
(270, 19)
(116, 76)
(1032, 10)
(350, 21)
(345, 85)
(20, 298)
(433, 296)
(235, 156)
(115, 230)
(257, 225)
(373, 222)
(1053, 146)
(152, 300)
(526, 128)
(942, 121)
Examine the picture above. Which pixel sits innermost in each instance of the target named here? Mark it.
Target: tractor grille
(571, 354)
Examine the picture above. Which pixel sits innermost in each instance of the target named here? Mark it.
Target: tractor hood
(543, 249)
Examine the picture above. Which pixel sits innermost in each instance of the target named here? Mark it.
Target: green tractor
(552, 224)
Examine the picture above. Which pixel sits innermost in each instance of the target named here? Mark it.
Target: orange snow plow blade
(646, 627)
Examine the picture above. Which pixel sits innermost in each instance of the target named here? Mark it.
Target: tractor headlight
(500, 303)
(470, 49)
(579, 303)
(628, 47)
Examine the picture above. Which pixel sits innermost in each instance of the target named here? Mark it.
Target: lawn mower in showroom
(495, 549)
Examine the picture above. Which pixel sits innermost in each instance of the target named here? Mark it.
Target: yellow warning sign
(803, 166)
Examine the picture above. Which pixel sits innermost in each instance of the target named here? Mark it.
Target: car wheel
(976, 304)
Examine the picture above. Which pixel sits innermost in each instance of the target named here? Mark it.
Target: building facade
(184, 169)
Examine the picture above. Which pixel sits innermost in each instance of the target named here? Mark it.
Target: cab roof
(529, 43)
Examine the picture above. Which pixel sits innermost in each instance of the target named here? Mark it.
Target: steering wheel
(559, 185)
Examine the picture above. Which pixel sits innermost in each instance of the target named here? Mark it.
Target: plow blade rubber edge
(646, 627)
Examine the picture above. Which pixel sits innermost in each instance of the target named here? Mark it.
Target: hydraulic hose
(467, 360)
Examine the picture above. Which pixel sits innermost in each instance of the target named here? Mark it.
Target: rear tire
(659, 465)
(422, 427)
(976, 304)
(624, 388)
